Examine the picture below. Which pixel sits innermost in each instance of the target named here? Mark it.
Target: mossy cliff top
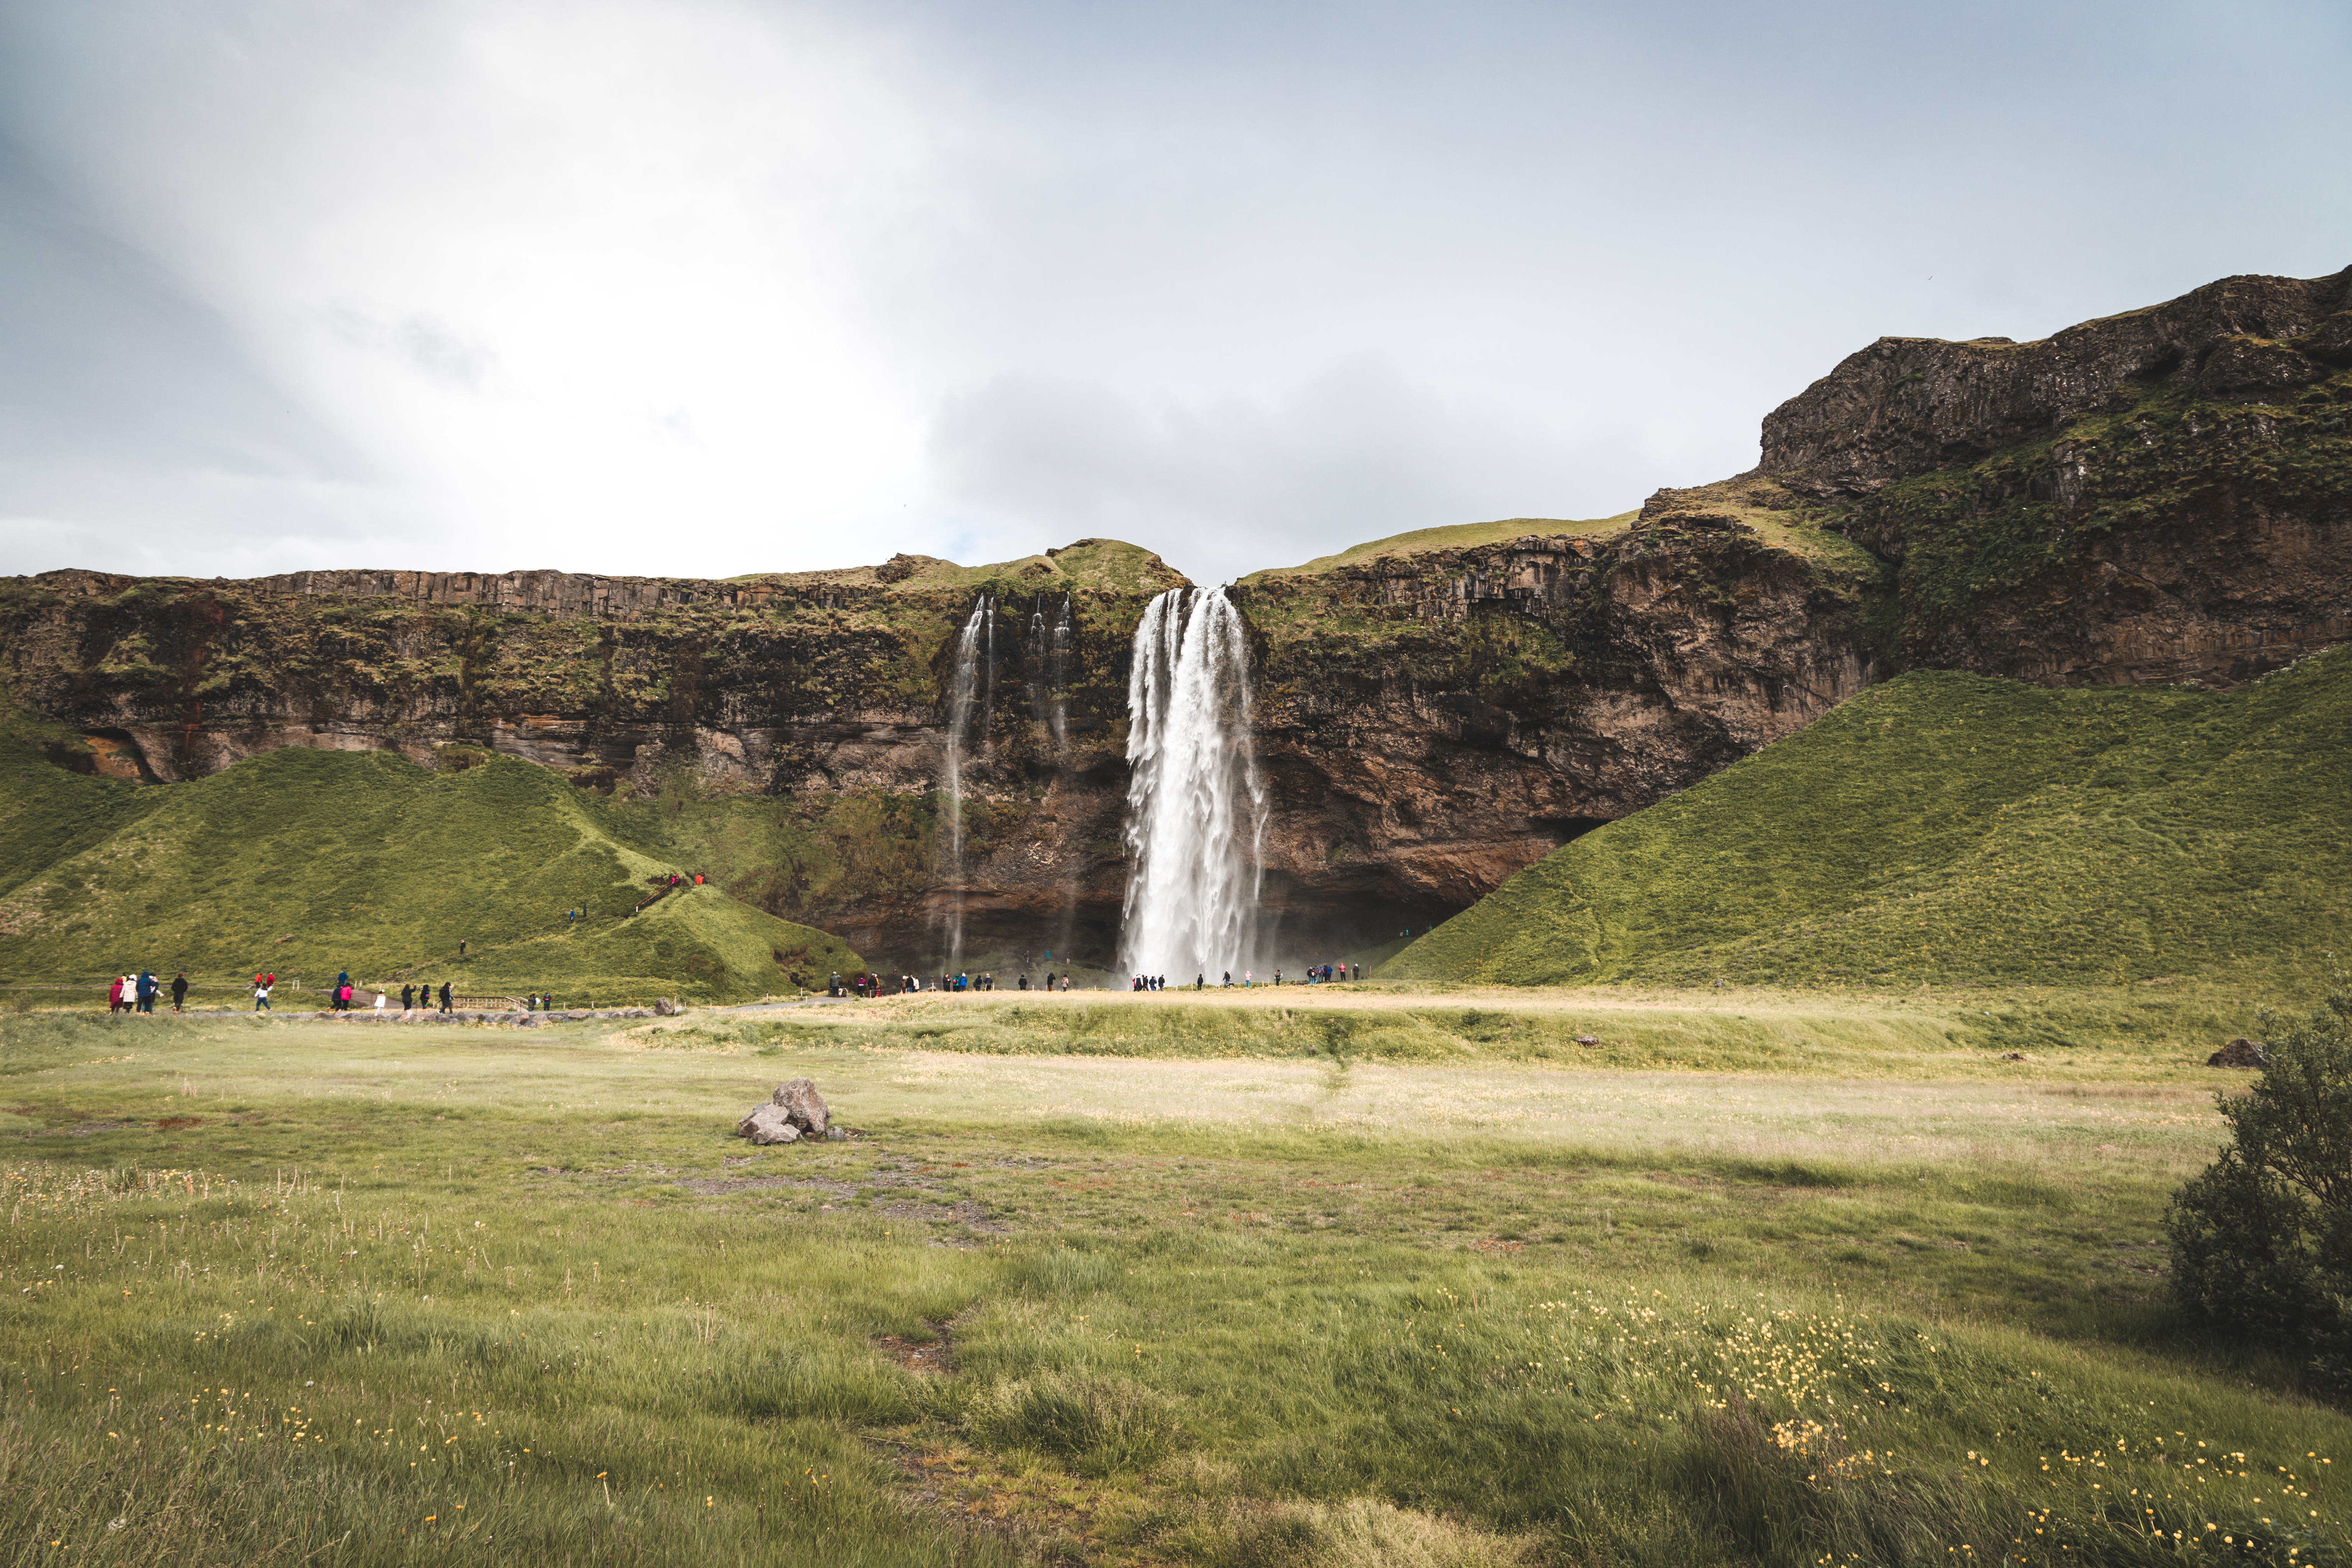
(1089, 565)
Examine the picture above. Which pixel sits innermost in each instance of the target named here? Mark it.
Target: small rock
(2014, 1057)
(767, 1124)
(800, 1101)
(2239, 1054)
(664, 1008)
(1588, 1039)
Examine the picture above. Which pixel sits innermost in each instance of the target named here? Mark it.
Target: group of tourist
(137, 993)
(1323, 975)
(869, 985)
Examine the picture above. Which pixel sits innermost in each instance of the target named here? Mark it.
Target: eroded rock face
(1906, 406)
(1432, 722)
(2160, 496)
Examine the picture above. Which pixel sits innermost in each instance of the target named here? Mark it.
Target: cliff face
(791, 726)
(1433, 719)
(2162, 496)
(1430, 721)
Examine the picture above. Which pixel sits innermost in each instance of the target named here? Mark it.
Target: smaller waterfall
(1048, 661)
(1057, 672)
(1196, 807)
(962, 705)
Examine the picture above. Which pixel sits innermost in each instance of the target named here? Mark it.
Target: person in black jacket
(444, 997)
(179, 990)
(407, 997)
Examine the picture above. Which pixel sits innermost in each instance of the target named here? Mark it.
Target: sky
(705, 287)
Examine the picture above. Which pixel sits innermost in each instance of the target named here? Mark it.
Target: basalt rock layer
(1433, 719)
(2159, 496)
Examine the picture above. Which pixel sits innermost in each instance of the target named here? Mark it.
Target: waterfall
(962, 707)
(1049, 661)
(1196, 809)
(1059, 673)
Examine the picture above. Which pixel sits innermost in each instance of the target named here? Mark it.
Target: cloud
(425, 343)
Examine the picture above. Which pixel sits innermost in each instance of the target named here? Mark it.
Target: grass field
(1357, 1278)
(1948, 829)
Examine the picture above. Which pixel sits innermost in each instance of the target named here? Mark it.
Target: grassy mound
(1453, 536)
(1950, 829)
(311, 862)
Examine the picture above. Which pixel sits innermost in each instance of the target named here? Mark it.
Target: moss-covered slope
(1952, 829)
(311, 862)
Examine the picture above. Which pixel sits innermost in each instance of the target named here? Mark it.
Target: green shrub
(2262, 1240)
(1097, 1425)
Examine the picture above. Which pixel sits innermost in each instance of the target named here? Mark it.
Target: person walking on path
(407, 997)
(262, 998)
(148, 987)
(379, 1001)
(444, 997)
(179, 990)
(114, 994)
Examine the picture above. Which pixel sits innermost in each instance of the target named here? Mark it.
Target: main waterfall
(969, 699)
(1196, 809)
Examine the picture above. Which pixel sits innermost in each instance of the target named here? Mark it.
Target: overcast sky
(711, 287)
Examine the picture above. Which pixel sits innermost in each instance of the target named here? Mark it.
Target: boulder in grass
(800, 1101)
(767, 1124)
(2239, 1054)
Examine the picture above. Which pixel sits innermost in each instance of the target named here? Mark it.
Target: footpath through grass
(285, 1292)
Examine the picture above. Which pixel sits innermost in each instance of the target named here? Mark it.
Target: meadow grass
(285, 1292)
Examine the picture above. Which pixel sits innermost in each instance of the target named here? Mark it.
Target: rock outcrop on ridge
(2159, 496)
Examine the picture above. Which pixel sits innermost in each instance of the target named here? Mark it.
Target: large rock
(767, 1124)
(795, 1112)
(800, 1101)
(2239, 1054)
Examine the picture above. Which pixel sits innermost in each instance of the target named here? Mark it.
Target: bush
(2262, 1240)
(1096, 1424)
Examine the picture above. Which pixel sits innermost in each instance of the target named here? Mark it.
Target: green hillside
(1950, 829)
(1451, 536)
(309, 862)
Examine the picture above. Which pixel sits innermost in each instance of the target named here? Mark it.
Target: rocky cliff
(2157, 497)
